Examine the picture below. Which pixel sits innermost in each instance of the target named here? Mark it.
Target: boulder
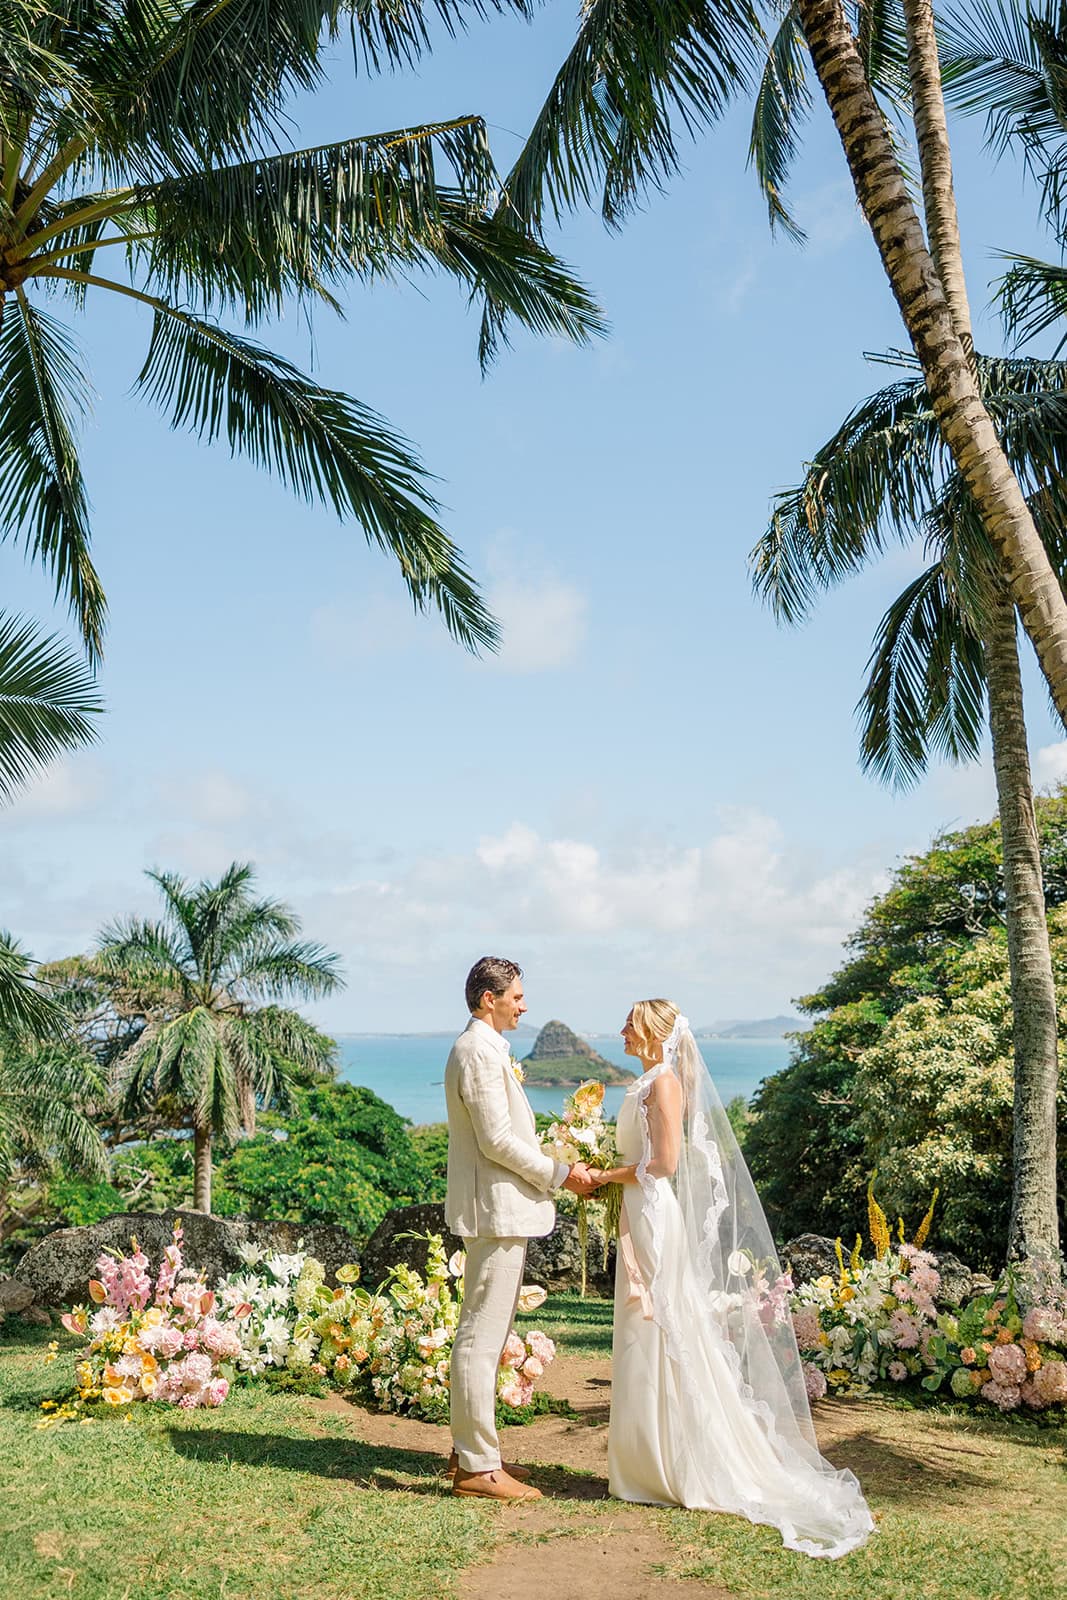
(57, 1269)
(387, 1246)
(553, 1262)
(957, 1280)
(36, 1316)
(810, 1255)
(16, 1295)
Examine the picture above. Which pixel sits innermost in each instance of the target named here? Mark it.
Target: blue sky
(653, 789)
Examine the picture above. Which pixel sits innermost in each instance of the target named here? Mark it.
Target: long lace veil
(742, 1296)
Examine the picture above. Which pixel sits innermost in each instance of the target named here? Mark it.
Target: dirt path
(575, 1542)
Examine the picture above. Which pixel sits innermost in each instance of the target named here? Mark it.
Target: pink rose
(532, 1368)
(514, 1351)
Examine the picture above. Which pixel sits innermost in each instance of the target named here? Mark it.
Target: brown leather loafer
(510, 1467)
(498, 1485)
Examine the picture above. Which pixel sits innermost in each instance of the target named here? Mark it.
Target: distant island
(762, 1028)
(560, 1059)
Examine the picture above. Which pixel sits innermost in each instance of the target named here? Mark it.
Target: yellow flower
(846, 1293)
(924, 1225)
(877, 1222)
(824, 1338)
(825, 1282)
(149, 1381)
(855, 1260)
(48, 1405)
(153, 1317)
(118, 1395)
(838, 1376)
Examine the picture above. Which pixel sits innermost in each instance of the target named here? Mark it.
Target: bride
(709, 1406)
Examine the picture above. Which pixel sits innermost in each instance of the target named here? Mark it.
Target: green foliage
(908, 1065)
(345, 1157)
(430, 1143)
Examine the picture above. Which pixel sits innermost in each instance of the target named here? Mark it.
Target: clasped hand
(583, 1180)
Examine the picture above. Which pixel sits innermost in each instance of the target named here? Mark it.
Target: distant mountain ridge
(758, 1028)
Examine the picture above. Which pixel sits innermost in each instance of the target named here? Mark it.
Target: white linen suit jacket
(499, 1178)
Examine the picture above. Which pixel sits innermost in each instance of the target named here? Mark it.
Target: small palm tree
(147, 134)
(946, 648)
(214, 1043)
(48, 1087)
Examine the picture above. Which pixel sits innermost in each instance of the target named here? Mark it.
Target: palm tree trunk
(247, 1099)
(935, 160)
(201, 1168)
(964, 422)
(1033, 1227)
(1033, 1230)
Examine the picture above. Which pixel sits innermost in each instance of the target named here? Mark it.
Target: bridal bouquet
(161, 1341)
(582, 1134)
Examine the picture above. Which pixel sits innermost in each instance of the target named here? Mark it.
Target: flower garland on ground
(878, 1323)
(278, 1318)
(581, 1134)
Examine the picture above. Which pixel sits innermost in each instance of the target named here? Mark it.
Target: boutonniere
(516, 1067)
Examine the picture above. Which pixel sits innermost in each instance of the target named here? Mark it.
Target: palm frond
(882, 42)
(24, 1007)
(925, 692)
(783, 102)
(640, 74)
(321, 443)
(287, 1035)
(144, 952)
(48, 700)
(1033, 299)
(277, 970)
(42, 495)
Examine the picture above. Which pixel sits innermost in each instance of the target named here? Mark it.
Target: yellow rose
(153, 1317)
(149, 1381)
(846, 1294)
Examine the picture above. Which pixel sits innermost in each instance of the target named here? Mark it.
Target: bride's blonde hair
(652, 1022)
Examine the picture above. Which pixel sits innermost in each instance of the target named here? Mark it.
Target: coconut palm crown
(216, 1042)
(140, 157)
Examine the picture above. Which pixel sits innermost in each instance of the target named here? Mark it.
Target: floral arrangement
(265, 1300)
(183, 1343)
(582, 1134)
(392, 1348)
(161, 1342)
(878, 1322)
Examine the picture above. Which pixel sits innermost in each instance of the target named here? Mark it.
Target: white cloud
(67, 788)
(542, 622)
(1050, 764)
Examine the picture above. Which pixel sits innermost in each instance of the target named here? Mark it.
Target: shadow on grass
(366, 1466)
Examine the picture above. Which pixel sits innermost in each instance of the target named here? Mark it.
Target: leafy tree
(122, 141)
(841, 1108)
(430, 1143)
(213, 1043)
(340, 1155)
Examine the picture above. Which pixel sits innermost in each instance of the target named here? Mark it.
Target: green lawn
(266, 1498)
(580, 1327)
(273, 1497)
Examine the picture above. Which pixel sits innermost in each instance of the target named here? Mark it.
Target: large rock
(808, 1256)
(553, 1262)
(58, 1267)
(387, 1247)
(15, 1295)
(957, 1280)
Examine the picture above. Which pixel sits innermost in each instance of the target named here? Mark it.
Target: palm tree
(122, 141)
(214, 1043)
(606, 126)
(945, 647)
(47, 1088)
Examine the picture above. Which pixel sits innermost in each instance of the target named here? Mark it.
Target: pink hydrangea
(806, 1327)
(222, 1340)
(814, 1382)
(1007, 1363)
(541, 1346)
(1043, 1324)
(897, 1371)
(514, 1353)
(1050, 1383)
(1005, 1396)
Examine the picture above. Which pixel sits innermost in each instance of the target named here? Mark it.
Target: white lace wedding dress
(686, 1427)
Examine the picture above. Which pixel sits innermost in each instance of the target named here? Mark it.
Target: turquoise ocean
(407, 1070)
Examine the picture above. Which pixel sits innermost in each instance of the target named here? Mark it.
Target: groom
(499, 1182)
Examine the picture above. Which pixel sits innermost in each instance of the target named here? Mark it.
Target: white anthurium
(739, 1262)
(457, 1262)
(531, 1297)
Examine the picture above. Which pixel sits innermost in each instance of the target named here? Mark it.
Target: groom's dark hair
(491, 972)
